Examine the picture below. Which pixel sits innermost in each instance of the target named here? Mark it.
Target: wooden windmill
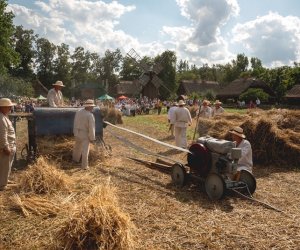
(149, 81)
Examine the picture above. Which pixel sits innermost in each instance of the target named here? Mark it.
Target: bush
(252, 94)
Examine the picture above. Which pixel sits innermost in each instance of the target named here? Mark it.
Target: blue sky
(200, 31)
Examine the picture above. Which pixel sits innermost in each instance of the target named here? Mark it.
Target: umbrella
(122, 97)
(105, 97)
(41, 98)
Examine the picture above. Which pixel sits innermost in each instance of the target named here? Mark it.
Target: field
(164, 217)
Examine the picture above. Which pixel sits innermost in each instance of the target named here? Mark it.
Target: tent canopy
(41, 98)
(105, 97)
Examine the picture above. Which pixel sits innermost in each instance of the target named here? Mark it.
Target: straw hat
(5, 102)
(181, 103)
(58, 83)
(217, 102)
(205, 102)
(175, 104)
(89, 103)
(238, 131)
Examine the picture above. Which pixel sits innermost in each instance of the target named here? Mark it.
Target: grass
(236, 111)
(156, 122)
(160, 122)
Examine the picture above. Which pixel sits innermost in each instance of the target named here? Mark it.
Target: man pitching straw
(55, 97)
(84, 132)
(182, 120)
(7, 142)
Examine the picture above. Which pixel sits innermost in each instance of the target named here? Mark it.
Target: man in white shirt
(84, 132)
(55, 97)
(245, 162)
(7, 142)
(205, 110)
(217, 109)
(182, 120)
(171, 117)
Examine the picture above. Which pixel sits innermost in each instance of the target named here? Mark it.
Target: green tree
(62, 66)
(277, 79)
(111, 66)
(168, 74)
(9, 57)
(95, 70)
(10, 86)
(80, 65)
(23, 42)
(46, 52)
(130, 70)
(183, 66)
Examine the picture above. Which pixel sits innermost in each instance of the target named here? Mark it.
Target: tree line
(26, 57)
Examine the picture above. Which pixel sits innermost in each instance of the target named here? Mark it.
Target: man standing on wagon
(55, 97)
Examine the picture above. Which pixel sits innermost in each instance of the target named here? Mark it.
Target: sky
(199, 31)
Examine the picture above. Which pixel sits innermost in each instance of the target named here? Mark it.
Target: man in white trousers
(182, 120)
(7, 142)
(84, 132)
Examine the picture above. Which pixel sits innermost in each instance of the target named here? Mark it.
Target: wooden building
(234, 89)
(292, 96)
(127, 88)
(187, 87)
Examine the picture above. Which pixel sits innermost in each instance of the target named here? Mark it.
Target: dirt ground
(167, 217)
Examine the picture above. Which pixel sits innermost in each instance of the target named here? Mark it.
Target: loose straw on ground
(43, 178)
(34, 205)
(97, 223)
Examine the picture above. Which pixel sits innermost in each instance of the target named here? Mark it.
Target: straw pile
(112, 115)
(97, 223)
(44, 178)
(60, 149)
(35, 205)
(274, 135)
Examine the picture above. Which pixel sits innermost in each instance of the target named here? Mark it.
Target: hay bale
(97, 223)
(112, 115)
(43, 178)
(204, 126)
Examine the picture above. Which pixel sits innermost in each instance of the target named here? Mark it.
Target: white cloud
(207, 16)
(216, 52)
(272, 38)
(91, 24)
(201, 42)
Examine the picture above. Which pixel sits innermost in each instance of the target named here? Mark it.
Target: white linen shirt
(55, 98)
(205, 112)
(182, 117)
(171, 114)
(84, 125)
(7, 133)
(218, 111)
(246, 158)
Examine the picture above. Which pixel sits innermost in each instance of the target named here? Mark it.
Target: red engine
(200, 160)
